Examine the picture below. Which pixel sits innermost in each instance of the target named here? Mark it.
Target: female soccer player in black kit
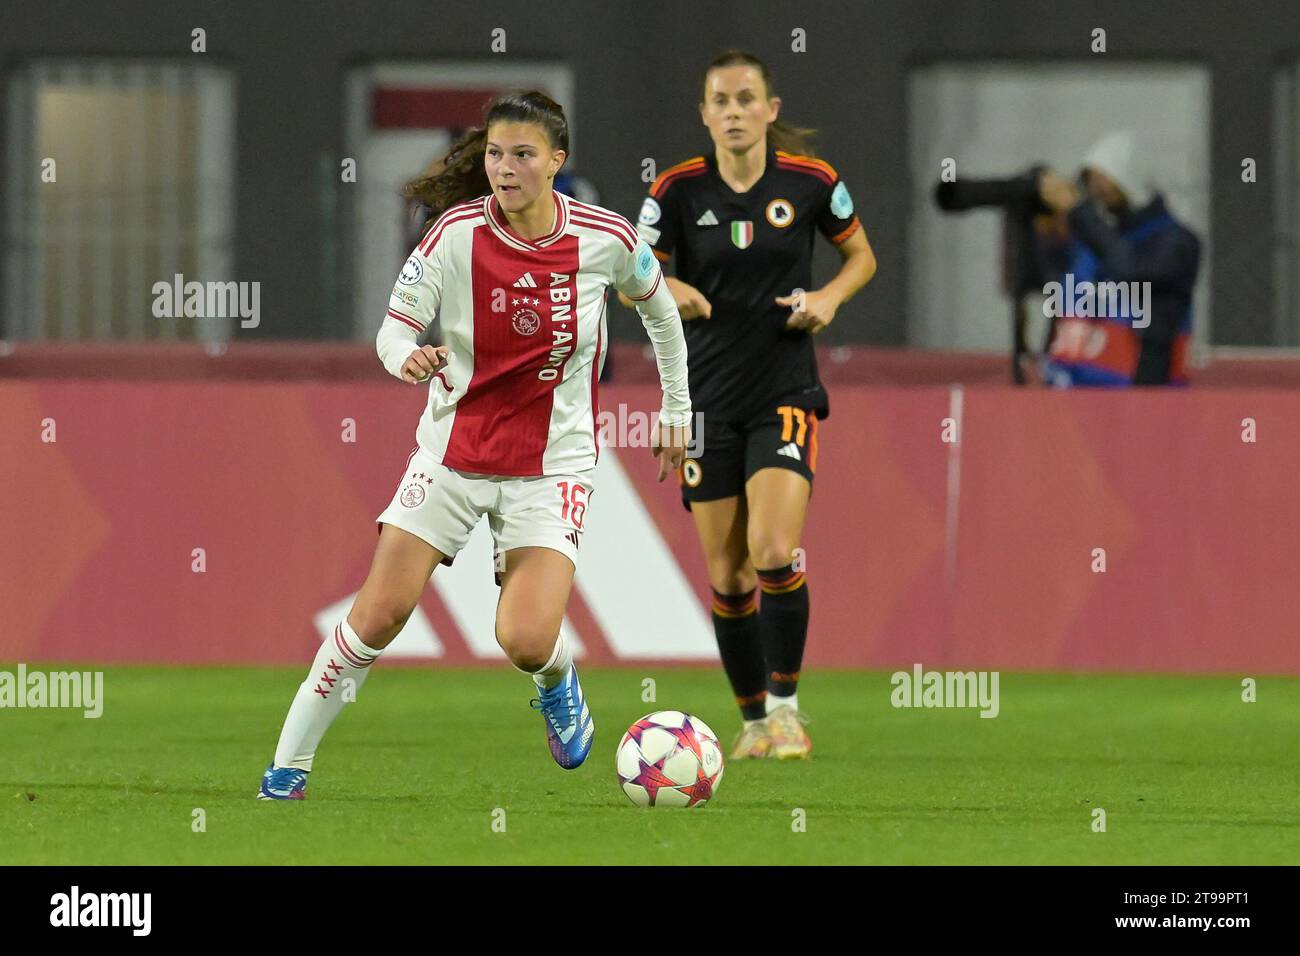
(740, 223)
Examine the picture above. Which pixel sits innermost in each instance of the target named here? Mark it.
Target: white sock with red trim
(553, 671)
(340, 667)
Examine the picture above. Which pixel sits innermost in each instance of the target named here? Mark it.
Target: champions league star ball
(669, 759)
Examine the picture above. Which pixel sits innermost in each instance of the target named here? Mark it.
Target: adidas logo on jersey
(526, 281)
(708, 219)
(573, 538)
(790, 451)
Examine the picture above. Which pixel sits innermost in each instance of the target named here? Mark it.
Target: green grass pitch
(413, 771)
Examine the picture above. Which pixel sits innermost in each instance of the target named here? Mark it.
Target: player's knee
(378, 620)
(726, 576)
(769, 550)
(528, 645)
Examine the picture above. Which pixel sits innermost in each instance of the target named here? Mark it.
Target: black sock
(735, 623)
(783, 625)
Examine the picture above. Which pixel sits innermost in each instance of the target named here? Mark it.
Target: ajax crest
(526, 321)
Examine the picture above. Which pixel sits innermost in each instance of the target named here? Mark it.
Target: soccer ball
(669, 759)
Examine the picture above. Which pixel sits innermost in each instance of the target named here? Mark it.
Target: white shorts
(441, 506)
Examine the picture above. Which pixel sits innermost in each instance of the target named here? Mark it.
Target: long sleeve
(411, 307)
(394, 343)
(642, 281)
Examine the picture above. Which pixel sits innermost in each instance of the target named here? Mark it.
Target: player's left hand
(810, 312)
(669, 446)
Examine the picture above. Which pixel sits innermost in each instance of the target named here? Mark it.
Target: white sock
(553, 671)
(320, 697)
(773, 702)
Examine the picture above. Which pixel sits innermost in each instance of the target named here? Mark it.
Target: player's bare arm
(814, 310)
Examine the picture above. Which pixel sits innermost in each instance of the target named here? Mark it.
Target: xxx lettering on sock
(331, 681)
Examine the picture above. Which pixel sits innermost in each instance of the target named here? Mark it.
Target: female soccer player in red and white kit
(517, 274)
(739, 224)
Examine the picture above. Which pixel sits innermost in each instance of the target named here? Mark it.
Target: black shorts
(729, 452)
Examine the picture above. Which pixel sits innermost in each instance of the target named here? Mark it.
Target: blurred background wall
(225, 165)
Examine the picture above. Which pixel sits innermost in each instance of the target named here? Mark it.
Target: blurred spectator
(1137, 262)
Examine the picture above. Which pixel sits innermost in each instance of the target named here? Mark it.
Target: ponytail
(458, 176)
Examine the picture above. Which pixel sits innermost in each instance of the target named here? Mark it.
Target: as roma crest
(780, 213)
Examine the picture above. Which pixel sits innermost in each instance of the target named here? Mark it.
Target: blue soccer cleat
(283, 783)
(569, 727)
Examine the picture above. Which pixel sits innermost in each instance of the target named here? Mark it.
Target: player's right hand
(425, 362)
(691, 304)
(669, 447)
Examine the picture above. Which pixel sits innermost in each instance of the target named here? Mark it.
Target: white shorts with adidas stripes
(441, 506)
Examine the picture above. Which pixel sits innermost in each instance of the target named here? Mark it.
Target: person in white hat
(1122, 234)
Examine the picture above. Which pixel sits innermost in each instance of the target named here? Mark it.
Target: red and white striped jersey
(525, 321)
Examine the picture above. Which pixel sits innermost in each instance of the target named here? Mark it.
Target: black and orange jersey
(742, 251)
